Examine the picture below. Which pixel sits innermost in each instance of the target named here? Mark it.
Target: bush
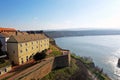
(39, 56)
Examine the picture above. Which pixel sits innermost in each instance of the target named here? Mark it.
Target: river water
(105, 51)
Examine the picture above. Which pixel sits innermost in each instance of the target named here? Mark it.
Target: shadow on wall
(46, 67)
(61, 62)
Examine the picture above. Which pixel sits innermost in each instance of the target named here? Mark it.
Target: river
(105, 50)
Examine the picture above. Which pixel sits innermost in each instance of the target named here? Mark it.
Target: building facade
(5, 33)
(5, 65)
(4, 36)
(21, 48)
(5, 69)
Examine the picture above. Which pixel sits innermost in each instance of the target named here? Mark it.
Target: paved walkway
(17, 69)
(30, 69)
(23, 69)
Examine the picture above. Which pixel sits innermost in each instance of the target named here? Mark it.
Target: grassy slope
(62, 74)
(55, 51)
(77, 71)
(93, 69)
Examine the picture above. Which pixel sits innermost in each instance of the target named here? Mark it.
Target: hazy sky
(60, 14)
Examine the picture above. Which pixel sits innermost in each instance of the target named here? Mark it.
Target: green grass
(101, 76)
(6, 63)
(54, 54)
(55, 51)
(62, 74)
(85, 60)
(87, 63)
(53, 47)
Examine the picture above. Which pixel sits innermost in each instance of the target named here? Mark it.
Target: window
(26, 58)
(20, 51)
(26, 44)
(20, 45)
(32, 54)
(32, 47)
(36, 46)
(41, 45)
(13, 51)
(32, 42)
(26, 49)
(22, 60)
(5, 70)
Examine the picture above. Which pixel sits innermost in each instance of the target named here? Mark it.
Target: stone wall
(61, 61)
(43, 70)
(37, 72)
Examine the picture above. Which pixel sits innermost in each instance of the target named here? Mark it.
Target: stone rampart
(42, 70)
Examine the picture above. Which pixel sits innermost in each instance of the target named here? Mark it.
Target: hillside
(55, 34)
(80, 69)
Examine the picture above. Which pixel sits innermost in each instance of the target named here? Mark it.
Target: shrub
(39, 56)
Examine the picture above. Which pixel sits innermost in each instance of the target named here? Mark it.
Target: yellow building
(21, 48)
(5, 65)
(4, 36)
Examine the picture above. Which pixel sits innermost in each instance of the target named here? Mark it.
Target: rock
(118, 63)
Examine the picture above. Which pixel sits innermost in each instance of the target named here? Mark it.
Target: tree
(0, 45)
(1, 52)
(39, 56)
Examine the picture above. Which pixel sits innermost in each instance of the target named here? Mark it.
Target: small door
(22, 60)
(27, 58)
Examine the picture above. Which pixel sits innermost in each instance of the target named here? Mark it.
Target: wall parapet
(41, 69)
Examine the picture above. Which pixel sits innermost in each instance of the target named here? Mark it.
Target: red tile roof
(7, 29)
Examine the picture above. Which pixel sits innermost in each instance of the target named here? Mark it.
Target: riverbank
(71, 33)
(86, 63)
(86, 68)
(80, 69)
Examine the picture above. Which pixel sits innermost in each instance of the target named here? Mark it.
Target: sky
(60, 14)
